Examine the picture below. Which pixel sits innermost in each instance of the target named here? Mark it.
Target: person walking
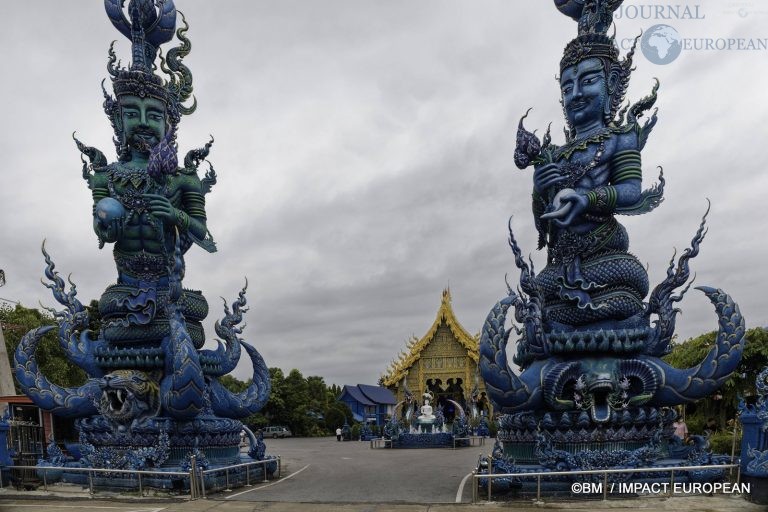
(338, 433)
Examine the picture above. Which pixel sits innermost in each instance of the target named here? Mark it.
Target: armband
(602, 199)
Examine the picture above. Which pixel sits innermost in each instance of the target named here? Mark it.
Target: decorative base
(437, 440)
(524, 445)
(163, 445)
(160, 442)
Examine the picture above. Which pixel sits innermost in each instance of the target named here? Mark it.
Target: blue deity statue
(149, 378)
(591, 340)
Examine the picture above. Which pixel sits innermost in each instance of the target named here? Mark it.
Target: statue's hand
(546, 176)
(110, 231)
(566, 206)
(115, 229)
(161, 208)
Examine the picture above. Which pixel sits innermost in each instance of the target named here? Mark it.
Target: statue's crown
(149, 24)
(594, 18)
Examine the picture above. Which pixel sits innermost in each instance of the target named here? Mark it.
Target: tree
(297, 402)
(741, 383)
(53, 363)
(334, 392)
(233, 384)
(274, 410)
(336, 415)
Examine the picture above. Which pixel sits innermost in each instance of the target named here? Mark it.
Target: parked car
(275, 432)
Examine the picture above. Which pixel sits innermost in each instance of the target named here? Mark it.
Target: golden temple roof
(398, 368)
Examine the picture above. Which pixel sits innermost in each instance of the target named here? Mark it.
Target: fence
(196, 476)
(604, 472)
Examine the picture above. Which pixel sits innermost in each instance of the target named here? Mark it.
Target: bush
(493, 428)
(355, 431)
(695, 424)
(722, 442)
(316, 431)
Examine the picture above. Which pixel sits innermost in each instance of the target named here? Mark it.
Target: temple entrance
(447, 393)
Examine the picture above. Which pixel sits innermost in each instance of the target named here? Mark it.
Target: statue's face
(584, 91)
(144, 123)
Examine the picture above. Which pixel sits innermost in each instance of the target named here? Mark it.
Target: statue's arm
(624, 181)
(191, 218)
(186, 214)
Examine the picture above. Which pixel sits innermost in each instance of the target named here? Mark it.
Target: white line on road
(92, 507)
(461, 488)
(268, 485)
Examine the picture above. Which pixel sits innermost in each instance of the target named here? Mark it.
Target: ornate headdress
(152, 23)
(594, 18)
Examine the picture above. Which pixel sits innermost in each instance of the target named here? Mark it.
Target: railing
(196, 475)
(226, 470)
(604, 472)
(96, 471)
(377, 442)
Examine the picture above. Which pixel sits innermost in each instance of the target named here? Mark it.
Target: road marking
(268, 485)
(93, 507)
(461, 487)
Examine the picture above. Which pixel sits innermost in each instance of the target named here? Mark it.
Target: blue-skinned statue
(594, 391)
(151, 385)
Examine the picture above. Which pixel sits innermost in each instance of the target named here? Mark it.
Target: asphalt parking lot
(323, 470)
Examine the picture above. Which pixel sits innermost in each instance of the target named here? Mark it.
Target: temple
(369, 404)
(442, 362)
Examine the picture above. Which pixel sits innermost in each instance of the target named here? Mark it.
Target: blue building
(369, 404)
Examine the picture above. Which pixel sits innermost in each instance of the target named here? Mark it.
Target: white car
(275, 432)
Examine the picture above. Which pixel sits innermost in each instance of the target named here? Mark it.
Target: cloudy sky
(365, 159)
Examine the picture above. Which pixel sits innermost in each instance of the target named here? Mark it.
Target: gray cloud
(365, 158)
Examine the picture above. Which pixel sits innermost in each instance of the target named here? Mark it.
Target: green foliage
(740, 384)
(336, 414)
(722, 442)
(303, 404)
(695, 423)
(233, 384)
(355, 431)
(16, 322)
(493, 428)
(94, 317)
(334, 417)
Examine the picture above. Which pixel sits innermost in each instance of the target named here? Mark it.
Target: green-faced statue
(145, 202)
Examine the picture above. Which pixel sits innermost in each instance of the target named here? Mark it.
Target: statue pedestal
(754, 454)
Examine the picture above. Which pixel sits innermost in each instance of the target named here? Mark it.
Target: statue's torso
(145, 244)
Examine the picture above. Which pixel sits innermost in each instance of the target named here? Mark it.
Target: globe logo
(661, 44)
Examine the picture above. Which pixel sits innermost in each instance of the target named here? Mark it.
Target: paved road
(699, 504)
(325, 470)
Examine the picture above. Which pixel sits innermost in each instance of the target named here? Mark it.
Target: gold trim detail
(445, 315)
